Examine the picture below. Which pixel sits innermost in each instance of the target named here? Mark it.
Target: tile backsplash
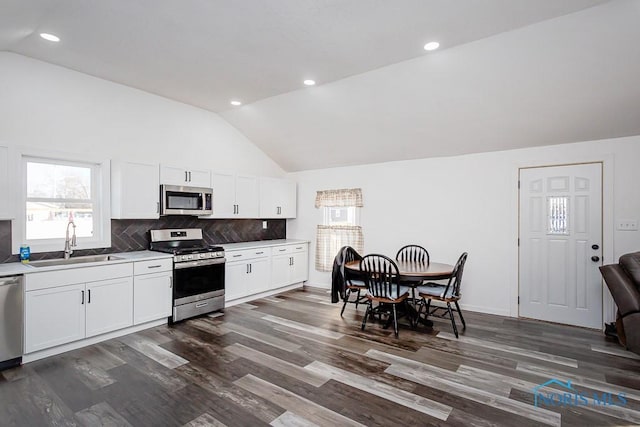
(133, 235)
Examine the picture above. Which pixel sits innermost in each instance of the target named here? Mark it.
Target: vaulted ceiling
(508, 74)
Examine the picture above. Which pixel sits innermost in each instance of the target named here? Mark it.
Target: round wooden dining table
(412, 274)
(411, 271)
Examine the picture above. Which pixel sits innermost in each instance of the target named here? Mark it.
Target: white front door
(561, 244)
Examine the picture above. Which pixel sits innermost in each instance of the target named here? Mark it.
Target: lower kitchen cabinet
(67, 306)
(109, 306)
(258, 277)
(248, 274)
(64, 314)
(152, 296)
(300, 266)
(265, 268)
(54, 316)
(290, 265)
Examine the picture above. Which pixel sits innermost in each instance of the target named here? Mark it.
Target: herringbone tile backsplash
(133, 235)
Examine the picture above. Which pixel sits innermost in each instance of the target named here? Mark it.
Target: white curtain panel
(329, 240)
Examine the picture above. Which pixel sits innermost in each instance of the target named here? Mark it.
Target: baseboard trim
(268, 293)
(41, 354)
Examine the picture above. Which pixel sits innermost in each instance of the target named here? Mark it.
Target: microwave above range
(179, 200)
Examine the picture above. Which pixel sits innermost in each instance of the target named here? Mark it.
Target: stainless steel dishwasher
(11, 321)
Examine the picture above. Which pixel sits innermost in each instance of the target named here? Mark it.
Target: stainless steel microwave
(178, 200)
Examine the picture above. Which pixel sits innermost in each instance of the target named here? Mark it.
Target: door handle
(595, 247)
(89, 296)
(82, 292)
(595, 258)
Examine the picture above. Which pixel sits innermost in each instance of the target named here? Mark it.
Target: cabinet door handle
(250, 268)
(82, 293)
(186, 176)
(238, 209)
(157, 207)
(189, 176)
(247, 268)
(89, 296)
(170, 282)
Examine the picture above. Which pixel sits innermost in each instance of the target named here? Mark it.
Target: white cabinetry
(247, 272)
(63, 306)
(109, 305)
(235, 196)
(289, 264)
(177, 175)
(54, 316)
(152, 290)
(5, 185)
(135, 190)
(277, 198)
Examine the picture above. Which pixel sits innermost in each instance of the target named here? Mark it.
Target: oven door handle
(199, 263)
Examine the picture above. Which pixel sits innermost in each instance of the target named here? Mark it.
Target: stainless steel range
(198, 271)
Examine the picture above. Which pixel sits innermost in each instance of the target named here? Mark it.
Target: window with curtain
(341, 225)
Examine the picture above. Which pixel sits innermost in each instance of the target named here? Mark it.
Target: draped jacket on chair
(338, 278)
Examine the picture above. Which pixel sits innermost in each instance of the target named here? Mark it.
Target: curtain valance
(345, 197)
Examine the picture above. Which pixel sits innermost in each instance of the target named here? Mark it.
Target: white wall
(468, 203)
(46, 106)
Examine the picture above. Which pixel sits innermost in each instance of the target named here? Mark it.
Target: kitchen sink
(76, 260)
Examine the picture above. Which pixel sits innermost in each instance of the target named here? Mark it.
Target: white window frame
(353, 215)
(101, 196)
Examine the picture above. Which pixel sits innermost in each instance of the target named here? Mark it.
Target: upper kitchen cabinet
(277, 198)
(235, 196)
(173, 175)
(5, 187)
(135, 190)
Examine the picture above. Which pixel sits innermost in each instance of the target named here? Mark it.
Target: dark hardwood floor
(292, 360)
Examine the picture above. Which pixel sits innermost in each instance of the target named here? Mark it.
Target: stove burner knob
(190, 257)
(202, 256)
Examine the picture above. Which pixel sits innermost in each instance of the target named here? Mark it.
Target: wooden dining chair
(413, 253)
(381, 278)
(449, 293)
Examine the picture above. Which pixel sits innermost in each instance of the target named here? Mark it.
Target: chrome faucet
(70, 242)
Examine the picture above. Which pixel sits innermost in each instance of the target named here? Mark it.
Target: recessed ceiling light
(50, 37)
(236, 103)
(309, 82)
(431, 46)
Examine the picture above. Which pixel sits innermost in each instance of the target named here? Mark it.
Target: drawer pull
(154, 266)
(236, 256)
(299, 247)
(259, 253)
(202, 304)
(282, 250)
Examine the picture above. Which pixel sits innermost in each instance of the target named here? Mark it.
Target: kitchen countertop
(260, 244)
(15, 268)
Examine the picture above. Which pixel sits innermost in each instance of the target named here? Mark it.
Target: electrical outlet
(264, 225)
(627, 225)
